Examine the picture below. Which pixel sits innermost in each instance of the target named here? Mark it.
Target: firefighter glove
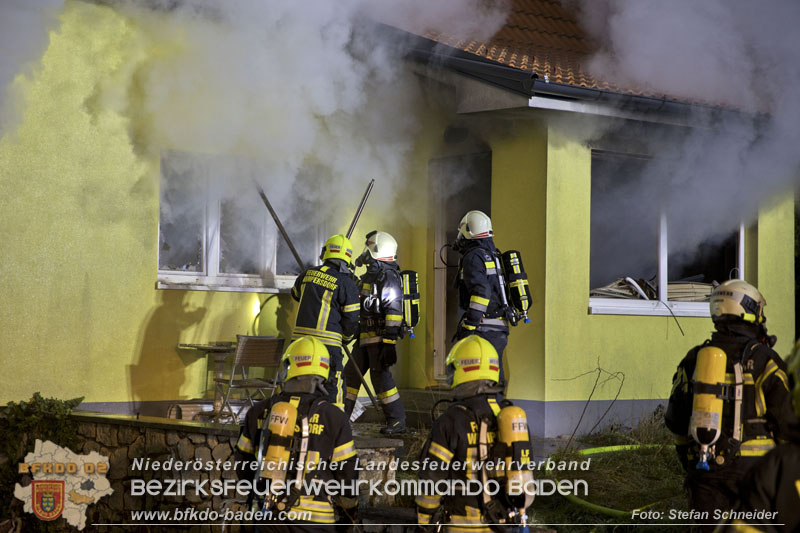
(472, 318)
(388, 355)
(466, 327)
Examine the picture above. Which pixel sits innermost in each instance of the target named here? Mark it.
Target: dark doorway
(460, 183)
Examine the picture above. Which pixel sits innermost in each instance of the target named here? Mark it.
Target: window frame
(210, 278)
(662, 306)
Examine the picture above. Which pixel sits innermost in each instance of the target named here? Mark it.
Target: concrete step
(417, 403)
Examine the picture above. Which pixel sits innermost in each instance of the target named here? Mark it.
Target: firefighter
(480, 290)
(300, 426)
(771, 486)
(730, 399)
(381, 293)
(329, 307)
(472, 430)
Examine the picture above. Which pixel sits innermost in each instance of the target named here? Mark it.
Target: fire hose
(602, 509)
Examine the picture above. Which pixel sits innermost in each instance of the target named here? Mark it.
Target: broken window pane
(692, 275)
(241, 236)
(181, 216)
(624, 228)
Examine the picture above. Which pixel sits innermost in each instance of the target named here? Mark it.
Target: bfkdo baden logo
(48, 499)
(64, 483)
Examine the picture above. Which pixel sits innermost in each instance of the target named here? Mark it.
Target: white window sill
(613, 306)
(280, 284)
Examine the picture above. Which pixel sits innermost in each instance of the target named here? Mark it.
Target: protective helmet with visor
(472, 358)
(737, 299)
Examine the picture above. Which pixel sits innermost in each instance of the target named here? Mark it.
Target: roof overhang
(483, 85)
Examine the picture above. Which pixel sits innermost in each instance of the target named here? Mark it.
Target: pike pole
(346, 350)
(278, 223)
(360, 208)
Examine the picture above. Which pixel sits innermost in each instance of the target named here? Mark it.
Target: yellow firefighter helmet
(337, 247)
(794, 377)
(381, 246)
(306, 356)
(475, 225)
(737, 298)
(473, 358)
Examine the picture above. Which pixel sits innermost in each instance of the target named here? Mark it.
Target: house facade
(92, 308)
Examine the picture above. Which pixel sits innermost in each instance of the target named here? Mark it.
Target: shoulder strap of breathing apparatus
(494, 510)
(407, 281)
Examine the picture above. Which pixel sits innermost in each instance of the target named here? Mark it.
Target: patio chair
(251, 352)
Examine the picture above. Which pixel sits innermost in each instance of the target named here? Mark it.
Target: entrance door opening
(460, 183)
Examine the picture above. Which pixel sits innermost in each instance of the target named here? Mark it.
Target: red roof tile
(543, 36)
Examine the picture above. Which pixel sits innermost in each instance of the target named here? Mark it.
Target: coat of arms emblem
(48, 499)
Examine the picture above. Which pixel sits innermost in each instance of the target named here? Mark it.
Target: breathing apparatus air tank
(512, 431)
(519, 292)
(705, 424)
(410, 282)
(281, 422)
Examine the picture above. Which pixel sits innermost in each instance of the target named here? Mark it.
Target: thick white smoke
(305, 97)
(741, 55)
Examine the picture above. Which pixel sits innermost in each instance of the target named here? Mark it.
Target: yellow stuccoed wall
(80, 314)
(519, 205)
(646, 349)
(541, 186)
(775, 275)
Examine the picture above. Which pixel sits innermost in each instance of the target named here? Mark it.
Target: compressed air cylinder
(281, 421)
(512, 430)
(411, 299)
(517, 280)
(705, 424)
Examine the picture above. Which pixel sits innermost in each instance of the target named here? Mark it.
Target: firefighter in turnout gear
(730, 399)
(381, 293)
(481, 292)
(770, 490)
(290, 433)
(329, 307)
(473, 430)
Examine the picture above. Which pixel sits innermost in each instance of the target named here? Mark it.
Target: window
(215, 233)
(633, 269)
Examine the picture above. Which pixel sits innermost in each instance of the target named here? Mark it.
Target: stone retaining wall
(123, 438)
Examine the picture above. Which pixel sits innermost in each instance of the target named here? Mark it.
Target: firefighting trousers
(335, 381)
(709, 491)
(367, 358)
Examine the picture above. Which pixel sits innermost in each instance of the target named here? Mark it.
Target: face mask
(364, 259)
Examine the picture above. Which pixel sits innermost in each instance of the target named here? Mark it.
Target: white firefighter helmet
(381, 246)
(737, 298)
(475, 225)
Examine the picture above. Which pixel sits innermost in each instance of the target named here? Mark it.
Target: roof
(542, 37)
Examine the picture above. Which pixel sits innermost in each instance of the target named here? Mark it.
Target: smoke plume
(304, 97)
(741, 56)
